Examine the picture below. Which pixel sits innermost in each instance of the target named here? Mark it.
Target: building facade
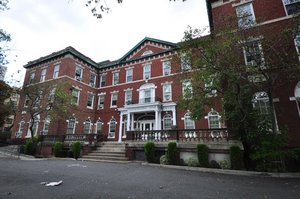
(264, 20)
(139, 91)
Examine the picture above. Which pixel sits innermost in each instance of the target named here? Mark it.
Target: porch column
(157, 120)
(120, 127)
(128, 121)
(132, 122)
(174, 116)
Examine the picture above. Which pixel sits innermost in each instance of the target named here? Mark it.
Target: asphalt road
(81, 179)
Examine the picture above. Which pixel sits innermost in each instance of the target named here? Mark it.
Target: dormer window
(147, 52)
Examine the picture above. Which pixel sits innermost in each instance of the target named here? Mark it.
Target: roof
(68, 50)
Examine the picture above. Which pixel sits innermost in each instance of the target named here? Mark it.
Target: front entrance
(146, 125)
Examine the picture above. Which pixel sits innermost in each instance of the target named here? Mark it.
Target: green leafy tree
(5, 91)
(47, 99)
(220, 71)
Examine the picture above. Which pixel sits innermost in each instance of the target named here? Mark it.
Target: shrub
(76, 148)
(57, 149)
(172, 153)
(163, 160)
(224, 164)
(202, 152)
(30, 146)
(236, 159)
(4, 136)
(296, 154)
(149, 152)
(191, 162)
(214, 164)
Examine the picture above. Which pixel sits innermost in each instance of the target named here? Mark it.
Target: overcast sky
(41, 27)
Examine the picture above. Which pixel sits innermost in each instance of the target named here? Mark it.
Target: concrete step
(107, 154)
(105, 158)
(110, 150)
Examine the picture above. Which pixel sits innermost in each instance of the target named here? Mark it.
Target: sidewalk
(229, 172)
(12, 151)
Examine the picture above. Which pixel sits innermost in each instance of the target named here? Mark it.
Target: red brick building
(270, 17)
(139, 91)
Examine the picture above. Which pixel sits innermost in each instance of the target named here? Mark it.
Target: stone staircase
(109, 152)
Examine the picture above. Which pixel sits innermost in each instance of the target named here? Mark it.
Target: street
(83, 179)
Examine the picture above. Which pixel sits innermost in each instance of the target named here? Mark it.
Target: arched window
(112, 128)
(261, 102)
(34, 127)
(87, 126)
(188, 122)
(167, 121)
(71, 125)
(297, 96)
(213, 118)
(46, 125)
(99, 125)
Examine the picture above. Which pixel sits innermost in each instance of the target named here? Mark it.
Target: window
(185, 63)
(87, 126)
(147, 71)
(167, 92)
(129, 75)
(43, 75)
(112, 128)
(245, 15)
(90, 100)
(52, 95)
(297, 44)
(46, 125)
(167, 122)
(187, 89)
(75, 96)
(103, 80)
(31, 79)
(253, 53)
(34, 127)
(213, 119)
(128, 97)
(99, 125)
(188, 122)
(147, 52)
(297, 96)
(261, 103)
(114, 98)
(78, 73)
(292, 6)
(93, 80)
(166, 68)
(101, 102)
(21, 128)
(71, 125)
(147, 94)
(56, 71)
(115, 78)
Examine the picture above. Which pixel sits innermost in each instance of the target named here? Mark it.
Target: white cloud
(40, 28)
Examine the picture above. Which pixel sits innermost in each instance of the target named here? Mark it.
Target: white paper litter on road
(51, 184)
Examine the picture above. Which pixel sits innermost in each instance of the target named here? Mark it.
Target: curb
(228, 172)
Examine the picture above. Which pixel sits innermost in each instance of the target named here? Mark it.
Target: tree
(4, 38)
(240, 65)
(5, 91)
(99, 7)
(45, 99)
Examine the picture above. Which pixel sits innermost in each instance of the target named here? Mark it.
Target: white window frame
(167, 96)
(90, 96)
(21, 128)
(101, 99)
(56, 71)
(79, 68)
(102, 83)
(260, 102)
(187, 121)
(116, 78)
(186, 64)
(114, 97)
(99, 123)
(128, 97)
(74, 121)
(129, 75)
(288, 3)
(212, 117)
(77, 96)
(297, 44)
(147, 71)
(167, 119)
(297, 96)
(244, 20)
(43, 75)
(93, 78)
(47, 122)
(87, 123)
(112, 134)
(260, 53)
(187, 84)
(35, 126)
(31, 78)
(166, 68)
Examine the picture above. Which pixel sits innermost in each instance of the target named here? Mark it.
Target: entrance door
(146, 125)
